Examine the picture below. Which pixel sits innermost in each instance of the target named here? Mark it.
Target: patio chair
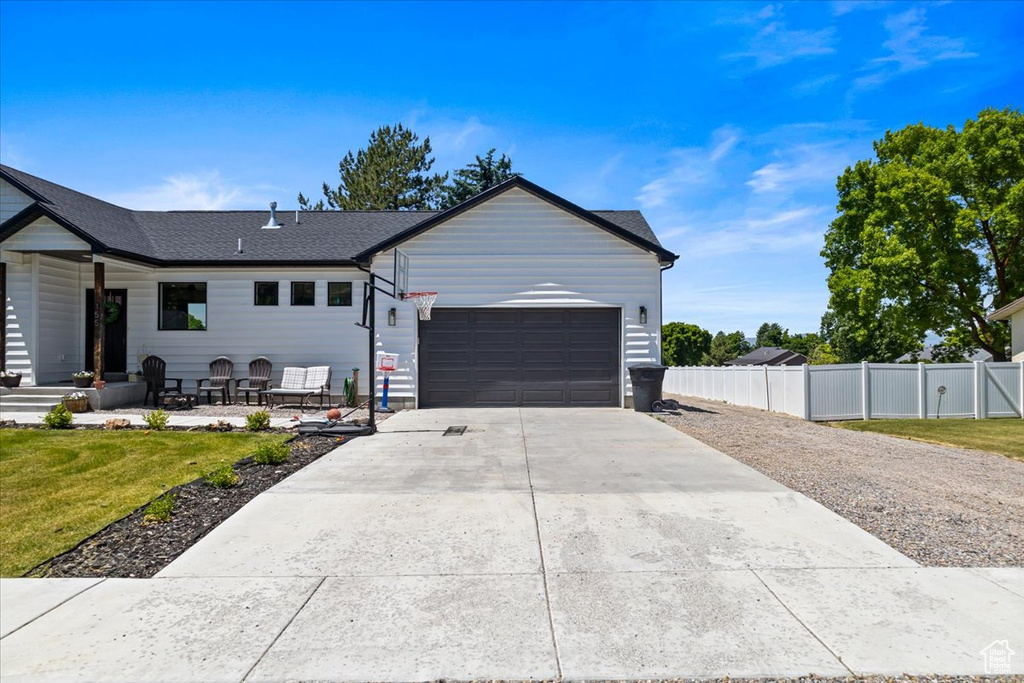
(221, 369)
(154, 370)
(302, 383)
(257, 381)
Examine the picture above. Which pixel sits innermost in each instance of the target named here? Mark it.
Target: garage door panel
(509, 357)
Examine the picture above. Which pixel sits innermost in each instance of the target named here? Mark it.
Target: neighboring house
(1014, 312)
(925, 354)
(540, 302)
(769, 355)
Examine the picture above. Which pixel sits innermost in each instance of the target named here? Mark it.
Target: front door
(115, 334)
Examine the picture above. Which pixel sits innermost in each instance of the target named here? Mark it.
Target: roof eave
(1006, 311)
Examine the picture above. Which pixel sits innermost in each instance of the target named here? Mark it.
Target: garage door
(520, 357)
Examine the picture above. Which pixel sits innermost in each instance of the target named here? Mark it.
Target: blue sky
(726, 123)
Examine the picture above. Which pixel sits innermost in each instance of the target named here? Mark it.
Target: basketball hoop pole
(370, 288)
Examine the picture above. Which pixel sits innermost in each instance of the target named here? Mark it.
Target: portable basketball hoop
(423, 301)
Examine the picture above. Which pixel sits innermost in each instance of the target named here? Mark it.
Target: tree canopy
(725, 347)
(684, 344)
(474, 178)
(928, 237)
(771, 334)
(392, 173)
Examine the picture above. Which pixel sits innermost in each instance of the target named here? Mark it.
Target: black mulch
(129, 548)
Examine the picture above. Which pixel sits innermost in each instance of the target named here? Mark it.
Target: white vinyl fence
(861, 391)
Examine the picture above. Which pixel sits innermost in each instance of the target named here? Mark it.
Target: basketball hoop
(423, 302)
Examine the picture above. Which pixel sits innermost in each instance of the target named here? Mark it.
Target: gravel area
(131, 548)
(940, 506)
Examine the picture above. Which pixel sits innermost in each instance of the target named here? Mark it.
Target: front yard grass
(1004, 435)
(59, 487)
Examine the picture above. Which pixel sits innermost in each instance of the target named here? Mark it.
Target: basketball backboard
(401, 274)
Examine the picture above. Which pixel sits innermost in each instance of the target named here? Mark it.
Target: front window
(303, 293)
(339, 293)
(266, 294)
(182, 306)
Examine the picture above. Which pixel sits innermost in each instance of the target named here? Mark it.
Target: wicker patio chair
(221, 369)
(154, 370)
(257, 381)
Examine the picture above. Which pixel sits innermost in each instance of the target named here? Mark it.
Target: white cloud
(691, 168)
(775, 43)
(203, 191)
(910, 49)
(802, 166)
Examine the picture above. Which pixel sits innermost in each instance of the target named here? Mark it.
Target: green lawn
(58, 487)
(1005, 435)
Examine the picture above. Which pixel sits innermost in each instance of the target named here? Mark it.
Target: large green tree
(770, 334)
(725, 347)
(929, 237)
(392, 173)
(684, 344)
(474, 178)
(802, 343)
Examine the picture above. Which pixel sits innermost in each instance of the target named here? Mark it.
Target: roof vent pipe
(239, 246)
(272, 224)
(296, 216)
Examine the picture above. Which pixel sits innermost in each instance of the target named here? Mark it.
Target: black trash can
(647, 379)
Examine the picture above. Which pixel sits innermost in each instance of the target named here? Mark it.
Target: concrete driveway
(580, 544)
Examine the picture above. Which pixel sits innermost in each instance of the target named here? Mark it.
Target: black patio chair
(154, 370)
(257, 381)
(221, 369)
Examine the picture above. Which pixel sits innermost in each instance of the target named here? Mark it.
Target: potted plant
(82, 379)
(10, 378)
(99, 383)
(76, 401)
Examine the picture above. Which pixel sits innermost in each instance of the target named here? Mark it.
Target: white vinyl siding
(517, 250)
(44, 235)
(12, 200)
(240, 330)
(19, 319)
(61, 312)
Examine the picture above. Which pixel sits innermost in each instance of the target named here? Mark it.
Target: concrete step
(18, 407)
(59, 390)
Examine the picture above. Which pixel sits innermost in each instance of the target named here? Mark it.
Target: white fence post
(807, 392)
(1021, 401)
(922, 393)
(979, 391)
(865, 388)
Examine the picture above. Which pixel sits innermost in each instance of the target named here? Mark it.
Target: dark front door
(520, 357)
(115, 334)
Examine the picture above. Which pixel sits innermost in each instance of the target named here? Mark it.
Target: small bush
(59, 418)
(224, 477)
(160, 510)
(156, 420)
(257, 421)
(271, 453)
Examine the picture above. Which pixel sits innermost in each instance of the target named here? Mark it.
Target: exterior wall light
(643, 315)
(392, 317)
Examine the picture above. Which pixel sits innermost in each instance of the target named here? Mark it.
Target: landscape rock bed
(938, 505)
(130, 549)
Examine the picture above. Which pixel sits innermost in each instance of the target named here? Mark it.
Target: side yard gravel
(940, 506)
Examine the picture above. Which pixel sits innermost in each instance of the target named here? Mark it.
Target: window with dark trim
(265, 294)
(303, 294)
(339, 293)
(182, 306)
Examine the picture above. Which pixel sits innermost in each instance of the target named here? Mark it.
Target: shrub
(59, 418)
(257, 421)
(156, 420)
(271, 453)
(160, 509)
(224, 477)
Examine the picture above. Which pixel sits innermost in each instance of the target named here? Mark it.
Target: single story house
(926, 353)
(1014, 312)
(540, 302)
(769, 355)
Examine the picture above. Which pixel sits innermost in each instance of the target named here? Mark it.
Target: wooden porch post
(3, 316)
(98, 318)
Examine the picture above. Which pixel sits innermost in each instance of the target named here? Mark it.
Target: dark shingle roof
(769, 355)
(179, 237)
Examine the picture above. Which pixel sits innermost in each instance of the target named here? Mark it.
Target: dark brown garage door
(520, 357)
